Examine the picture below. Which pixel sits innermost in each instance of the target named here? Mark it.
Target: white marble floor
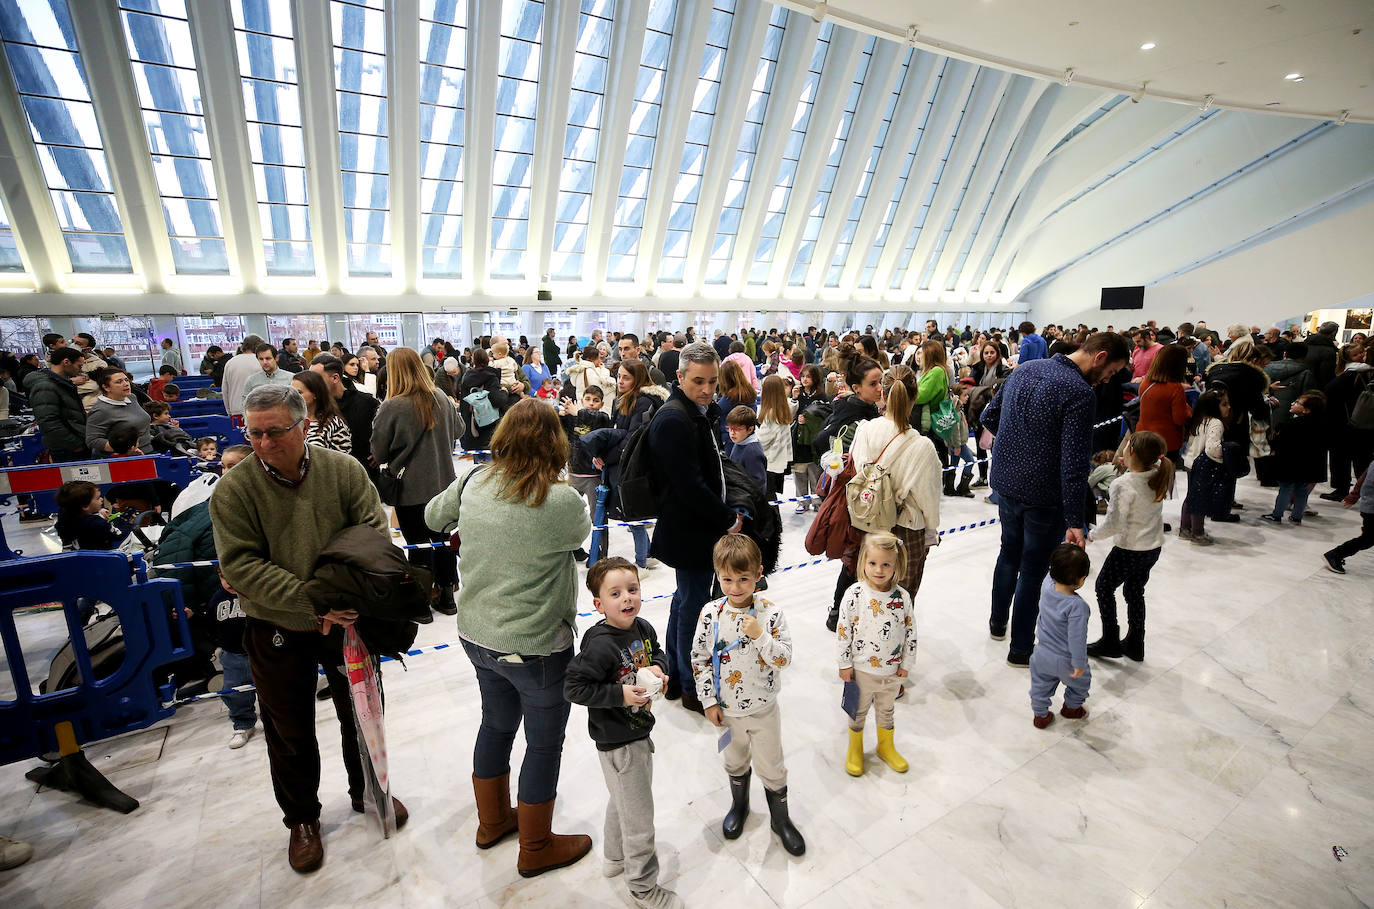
(1220, 772)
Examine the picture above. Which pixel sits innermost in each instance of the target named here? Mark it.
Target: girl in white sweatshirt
(1135, 516)
(1208, 480)
(775, 431)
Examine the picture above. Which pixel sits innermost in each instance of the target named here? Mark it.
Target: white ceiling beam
(794, 58)
(479, 142)
(837, 76)
(1016, 105)
(949, 102)
(627, 46)
(557, 55)
(229, 150)
(679, 92)
(901, 137)
(883, 72)
(403, 112)
(985, 103)
(742, 59)
(100, 35)
(320, 128)
(33, 222)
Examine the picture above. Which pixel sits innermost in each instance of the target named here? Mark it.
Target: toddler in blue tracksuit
(1061, 633)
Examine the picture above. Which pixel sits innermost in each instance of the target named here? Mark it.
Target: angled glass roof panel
(517, 98)
(639, 146)
(359, 35)
(443, 101)
(682, 214)
(582, 138)
(782, 185)
(9, 250)
(40, 45)
(265, 40)
(742, 169)
(169, 92)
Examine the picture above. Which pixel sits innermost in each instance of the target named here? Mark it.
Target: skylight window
(364, 152)
(443, 108)
(9, 251)
(517, 97)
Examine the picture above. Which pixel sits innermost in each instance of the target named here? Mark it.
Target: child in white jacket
(775, 430)
(739, 651)
(877, 645)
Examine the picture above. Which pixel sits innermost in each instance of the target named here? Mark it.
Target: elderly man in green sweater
(273, 514)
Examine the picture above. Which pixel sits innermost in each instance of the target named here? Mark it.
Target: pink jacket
(747, 365)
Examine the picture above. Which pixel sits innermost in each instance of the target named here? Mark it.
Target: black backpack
(638, 501)
(105, 643)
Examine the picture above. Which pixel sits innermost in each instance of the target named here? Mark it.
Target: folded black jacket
(360, 569)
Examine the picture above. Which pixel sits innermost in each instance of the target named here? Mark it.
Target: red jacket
(1165, 411)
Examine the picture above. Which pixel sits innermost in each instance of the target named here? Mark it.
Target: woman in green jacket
(931, 389)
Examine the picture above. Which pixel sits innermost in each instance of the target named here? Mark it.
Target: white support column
(403, 112)
(883, 71)
(224, 119)
(100, 35)
(944, 114)
(984, 104)
(679, 90)
(741, 65)
(798, 42)
(558, 51)
(903, 133)
(25, 191)
(627, 45)
(483, 51)
(320, 126)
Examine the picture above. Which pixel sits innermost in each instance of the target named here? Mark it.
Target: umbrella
(364, 684)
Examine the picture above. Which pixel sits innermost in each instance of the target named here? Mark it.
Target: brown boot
(541, 850)
(496, 819)
(306, 850)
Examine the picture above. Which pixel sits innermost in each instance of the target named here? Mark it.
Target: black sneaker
(1333, 496)
(1271, 519)
(997, 630)
(581, 555)
(1333, 563)
(33, 517)
(1018, 659)
(1227, 519)
(1236, 506)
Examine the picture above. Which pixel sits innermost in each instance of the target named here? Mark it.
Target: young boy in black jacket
(618, 656)
(1299, 457)
(583, 475)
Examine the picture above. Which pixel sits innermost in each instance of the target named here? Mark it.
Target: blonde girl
(876, 637)
(775, 430)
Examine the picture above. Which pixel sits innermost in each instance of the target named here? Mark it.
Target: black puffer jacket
(57, 409)
(686, 467)
(1321, 358)
(846, 410)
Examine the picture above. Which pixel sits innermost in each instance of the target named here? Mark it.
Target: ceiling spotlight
(1345, 115)
(1207, 102)
(912, 33)
(1139, 93)
(1294, 77)
(1148, 45)
(1068, 76)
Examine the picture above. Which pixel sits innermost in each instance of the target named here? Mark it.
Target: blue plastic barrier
(198, 407)
(221, 426)
(194, 383)
(33, 724)
(23, 450)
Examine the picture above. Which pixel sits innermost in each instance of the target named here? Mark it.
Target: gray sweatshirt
(105, 416)
(1062, 628)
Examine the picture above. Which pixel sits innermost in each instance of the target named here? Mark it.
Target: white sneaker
(14, 853)
(612, 869)
(653, 563)
(658, 898)
(240, 737)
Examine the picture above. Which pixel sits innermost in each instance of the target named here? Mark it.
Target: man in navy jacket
(692, 513)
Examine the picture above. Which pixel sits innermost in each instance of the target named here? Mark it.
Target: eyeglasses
(274, 434)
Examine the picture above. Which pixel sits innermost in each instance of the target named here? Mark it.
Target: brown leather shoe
(496, 818)
(1074, 713)
(306, 851)
(399, 810)
(540, 849)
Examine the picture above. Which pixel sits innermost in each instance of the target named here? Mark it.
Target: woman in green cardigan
(516, 610)
(931, 389)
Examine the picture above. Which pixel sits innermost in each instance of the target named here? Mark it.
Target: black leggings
(1130, 569)
(441, 561)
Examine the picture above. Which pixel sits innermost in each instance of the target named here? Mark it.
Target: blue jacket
(749, 455)
(1033, 347)
(1042, 416)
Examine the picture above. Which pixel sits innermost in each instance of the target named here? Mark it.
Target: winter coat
(1342, 392)
(816, 408)
(748, 453)
(1246, 386)
(1164, 411)
(747, 366)
(57, 407)
(190, 537)
(685, 463)
(844, 411)
(761, 523)
(582, 374)
(776, 439)
(552, 356)
(1300, 447)
(429, 466)
(609, 444)
(360, 569)
(359, 409)
(488, 380)
(1288, 381)
(577, 428)
(1321, 358)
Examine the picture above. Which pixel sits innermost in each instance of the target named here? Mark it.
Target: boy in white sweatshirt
(740, 649)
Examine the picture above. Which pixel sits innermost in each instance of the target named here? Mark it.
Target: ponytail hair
(1149, 449)
(899, 397)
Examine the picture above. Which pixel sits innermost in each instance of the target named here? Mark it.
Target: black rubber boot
(782, 824)
(949, 482)
(963, 489)
(445, 604)
(1108, 647)
(733, 825)
(1133, 645)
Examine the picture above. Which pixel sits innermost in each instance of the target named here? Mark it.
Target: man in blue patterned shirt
(1042, 416)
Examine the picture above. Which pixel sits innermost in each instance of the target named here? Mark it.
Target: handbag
(389, 476)
(1259, 440)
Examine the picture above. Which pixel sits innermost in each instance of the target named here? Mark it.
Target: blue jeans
(641, 537)
(1029, 534)
(531, 692)
(1294, 495)
(242, 704)
(966, 455)
(693, 590)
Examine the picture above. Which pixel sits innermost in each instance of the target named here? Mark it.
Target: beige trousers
(878, 692)
(757, 738)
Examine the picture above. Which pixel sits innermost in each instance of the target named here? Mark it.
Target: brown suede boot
(542, 850)
(496, 819)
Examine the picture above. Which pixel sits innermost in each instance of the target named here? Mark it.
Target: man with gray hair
(692, 514)
(1321, 353)
(267, 553)
(240, 368)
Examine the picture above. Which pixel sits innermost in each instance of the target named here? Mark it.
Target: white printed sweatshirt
(749, 680)
(877, 631)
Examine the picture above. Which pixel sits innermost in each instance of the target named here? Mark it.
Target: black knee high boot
(782, 824)
(733, 825)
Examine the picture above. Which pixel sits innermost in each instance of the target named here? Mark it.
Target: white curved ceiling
(1239, 51)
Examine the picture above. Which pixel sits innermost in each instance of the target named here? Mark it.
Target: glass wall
(130, 336)
(198, 334)
(451, 326)
(386, 325)
(303, 328)
(23, 334)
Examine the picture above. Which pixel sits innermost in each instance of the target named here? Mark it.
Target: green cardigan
(931, 389)
(268, 536)
(519, 577)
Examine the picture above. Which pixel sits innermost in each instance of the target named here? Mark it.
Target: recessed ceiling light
(1294, 77)
(1148, 45)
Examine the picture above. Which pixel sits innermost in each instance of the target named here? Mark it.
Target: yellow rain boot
(888, 752)
(854, 761)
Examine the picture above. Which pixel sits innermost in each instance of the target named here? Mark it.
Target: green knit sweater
(519, 577)
(268, 536)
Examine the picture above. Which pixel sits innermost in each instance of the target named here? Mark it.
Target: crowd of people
(1076, 432)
